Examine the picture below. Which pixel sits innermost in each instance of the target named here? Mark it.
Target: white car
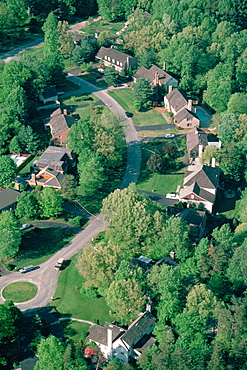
(25, 226)
(169, 136)
(172, 196)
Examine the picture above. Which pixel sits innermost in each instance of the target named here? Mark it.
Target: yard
(38, 245)
(69, 302)
(125, 98)
(101, 25)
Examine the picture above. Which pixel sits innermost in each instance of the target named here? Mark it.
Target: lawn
(40, 244)
(69, 302)
(73, 329)
(26, 169)
(82, 99)
(21, 291)
(100, 25)
(125, 98)
(161, 184)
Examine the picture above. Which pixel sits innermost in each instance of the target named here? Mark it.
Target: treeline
(200, 305)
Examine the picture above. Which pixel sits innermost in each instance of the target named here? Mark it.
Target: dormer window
(113, 60)
(105, 57)
(109, 59)
(121, 64)
(117, 63)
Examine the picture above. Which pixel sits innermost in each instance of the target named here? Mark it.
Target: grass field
(40, 244)
(125, 98)
(26, 169)
(161, 184)
(21, 291)
(73, 329)
(82, 99)
(113, 27)
(69, 302)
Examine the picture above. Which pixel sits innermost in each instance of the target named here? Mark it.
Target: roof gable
(195, 137)
(8, 196)
(204, 176)
(177, 99)
(113, 54)
(138, 328)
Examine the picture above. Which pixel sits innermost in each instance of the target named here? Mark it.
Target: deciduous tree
(7, 170)
(50, 203)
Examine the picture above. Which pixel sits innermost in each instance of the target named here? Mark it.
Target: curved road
(45, 277)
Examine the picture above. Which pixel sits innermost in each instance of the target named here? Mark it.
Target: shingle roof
(149, 74)
(49, 92)
(55, 181)
(138, 328)
(8, 197)
(177, 99)
(98, 333)
(192, 216)
(113, 53)
(195, 189)
(204, 176)
(183, 114)
(195, 137)
(60, 123)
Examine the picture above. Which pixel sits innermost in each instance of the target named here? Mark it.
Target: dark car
(128, 114)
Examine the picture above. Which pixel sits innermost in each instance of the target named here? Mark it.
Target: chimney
(33, 179)
(127, 63)
(109, 339)
(17, 186)
(65, 112)
(148, 305)
(200, 150)
(164, 66)
(169, 89)
(156, 79)
(213, 162)
(172, 255)
(190, 105)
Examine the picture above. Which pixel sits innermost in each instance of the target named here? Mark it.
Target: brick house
(59, 124)
(115, 58)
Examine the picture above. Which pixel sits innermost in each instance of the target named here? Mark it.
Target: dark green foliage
(7, 170)
(26, 206)
(110, 76)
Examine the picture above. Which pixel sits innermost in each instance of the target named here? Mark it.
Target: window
(109, 59)
(113, 60)
(117, 63)
(121, 64)
(192, 196)
(105, 57)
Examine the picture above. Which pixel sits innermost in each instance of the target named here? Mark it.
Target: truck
(59, 264)
(25, 269)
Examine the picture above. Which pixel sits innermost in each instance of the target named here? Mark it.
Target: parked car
(169, 136)
(172, 196)
(128, 114)
(59, 264)
(25, 226)
(26, 269)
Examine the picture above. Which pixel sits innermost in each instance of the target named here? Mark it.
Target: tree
(78, 55)
(50, 354)
(242, 210)
(116, 364)
(65, 39)
(110, 76)
(7, 170)
(16, 102)
(14, 76)
(237, 104)
(10, 319)
(14, 145)
(51, 35)
(155, 163)
(68, 187)
(50, 203)
(238, 275)
(125, 299)
(143, 93)
(28, 140)
(227, 128)
(208, 154)
(26, 206)
(232, 161)
(10, 235)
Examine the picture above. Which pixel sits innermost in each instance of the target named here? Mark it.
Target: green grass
(68, 300)
(82, 99)
(73, 329)
(21, 291)
(40, 244)
(102, 26)
(125, 97)
(161, 184)
(26, 169)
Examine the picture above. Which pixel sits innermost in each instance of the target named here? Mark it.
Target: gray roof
(204, 176)
(145, 342)
(200, 192)
(195, 137)
(192, 216)
(149, 74)
(183, 114)
(8, 197)
(138, 328)
(55, 154)
(113, 54)
(55, 181)
(98, 333)
(177, 99)
(49, 92)
(60, 122)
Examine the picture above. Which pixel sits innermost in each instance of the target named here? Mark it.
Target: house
(8, 199)
(49, 94)
(60, 123)
(50, 168)
(156, 76)
(117, 342)
(115, 58)
(182, 108)
(200, 185)
(197, 140)
(196, 220)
